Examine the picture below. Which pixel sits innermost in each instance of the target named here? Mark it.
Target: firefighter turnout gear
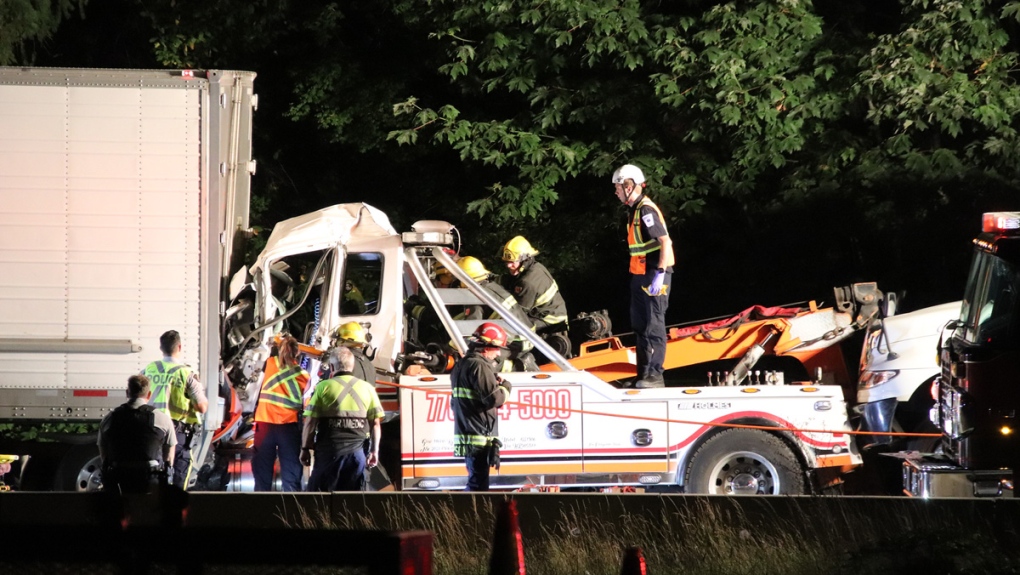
(538, 294)
(477, 393)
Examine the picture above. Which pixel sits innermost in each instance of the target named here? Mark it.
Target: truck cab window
(990, 306)
(362, 284)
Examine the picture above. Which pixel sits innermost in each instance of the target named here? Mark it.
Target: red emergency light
(1001, 222)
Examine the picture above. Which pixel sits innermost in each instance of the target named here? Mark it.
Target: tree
(24, 23)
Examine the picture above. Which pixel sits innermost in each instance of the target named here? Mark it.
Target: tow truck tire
(744, 462)
(79, 470)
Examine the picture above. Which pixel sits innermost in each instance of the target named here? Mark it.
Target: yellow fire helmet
(517, 249)
(473, 267)
(351, 332)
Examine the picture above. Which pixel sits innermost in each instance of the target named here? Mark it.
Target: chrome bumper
(928, 476)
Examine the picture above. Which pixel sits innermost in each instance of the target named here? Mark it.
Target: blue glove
(656, 287)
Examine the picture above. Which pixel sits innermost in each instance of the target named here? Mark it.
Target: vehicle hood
(925, 322)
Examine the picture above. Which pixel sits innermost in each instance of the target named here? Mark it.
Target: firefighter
(537, 293)
(342, 415)
(477, 392)
(517, 356)
(177, 392)
(277, 427)
(352, 336)
(136, 442)
(651, 268)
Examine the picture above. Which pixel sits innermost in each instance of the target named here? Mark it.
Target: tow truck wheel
(79, 470)
(744, 462)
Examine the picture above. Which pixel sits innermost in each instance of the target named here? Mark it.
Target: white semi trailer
(124, 193)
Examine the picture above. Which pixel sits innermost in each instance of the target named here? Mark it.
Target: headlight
(870, 379)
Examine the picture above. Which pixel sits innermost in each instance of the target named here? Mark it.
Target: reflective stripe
(283, 388)
(548, 295)
(636, 244)
(474, 440)
(552, 319)
(464, 393)
(348, 391)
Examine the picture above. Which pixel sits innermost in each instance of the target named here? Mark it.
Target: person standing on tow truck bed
(136, 442)
(651, 268)
(342, 415)
(477, 393)
(177, 392)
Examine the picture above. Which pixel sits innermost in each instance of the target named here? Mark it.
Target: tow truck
(976, 392)
(117, 230)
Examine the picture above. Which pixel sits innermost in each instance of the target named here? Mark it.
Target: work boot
(650, 381)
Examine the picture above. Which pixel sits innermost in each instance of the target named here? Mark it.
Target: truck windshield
(990, 310)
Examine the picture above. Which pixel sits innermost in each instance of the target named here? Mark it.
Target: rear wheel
(745, 462)
(79, 470)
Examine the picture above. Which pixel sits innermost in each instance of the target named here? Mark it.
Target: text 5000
(524, 404)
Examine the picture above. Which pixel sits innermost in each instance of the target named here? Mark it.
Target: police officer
(277, 431)
(352, 336)
(537, 293)
(177, 392)
(477, 392)
(136, 442)
(651, 268)
(342, 415)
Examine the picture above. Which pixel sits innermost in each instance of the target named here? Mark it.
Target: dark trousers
(478, 470)
(338, 472)
(272, 440)
(182, 456)
(648, 320)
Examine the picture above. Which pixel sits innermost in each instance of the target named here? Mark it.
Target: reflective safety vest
(280, 400)
(170, 390)
(639, 247)
(348, 399)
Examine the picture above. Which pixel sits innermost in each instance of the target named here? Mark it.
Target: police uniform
(345, 408)
(476, 396)
(537, 293)
(277, 430)
(647, 313)
(134, 439)
(175, 391)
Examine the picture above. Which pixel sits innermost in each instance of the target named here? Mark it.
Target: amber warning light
(1001, 222)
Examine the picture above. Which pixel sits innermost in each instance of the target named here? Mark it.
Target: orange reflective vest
(639, 247)
(283, 387)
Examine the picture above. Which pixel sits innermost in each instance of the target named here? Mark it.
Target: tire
(79, 470)
(744, 462)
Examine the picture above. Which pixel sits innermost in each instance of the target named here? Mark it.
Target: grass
(587, 535)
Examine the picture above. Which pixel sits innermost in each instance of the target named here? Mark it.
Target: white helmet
(629, 172)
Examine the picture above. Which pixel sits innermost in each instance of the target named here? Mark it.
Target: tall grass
(587, 535)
